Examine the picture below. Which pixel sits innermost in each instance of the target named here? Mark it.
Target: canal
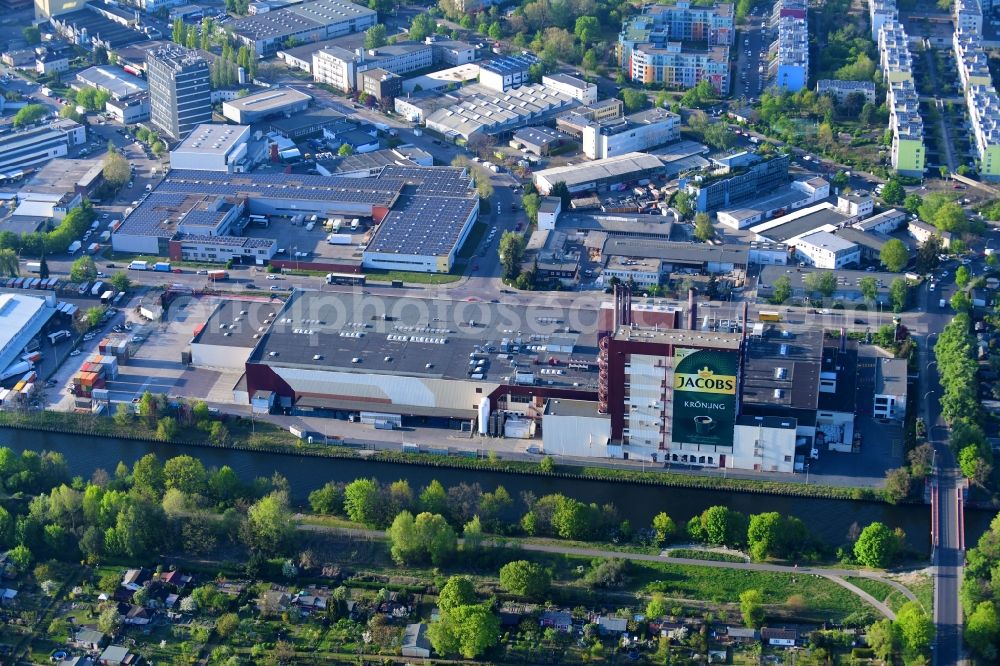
(828, 519)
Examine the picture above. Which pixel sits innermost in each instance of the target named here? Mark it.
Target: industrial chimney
(692, 310)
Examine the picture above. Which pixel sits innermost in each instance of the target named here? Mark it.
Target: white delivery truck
(138, 266)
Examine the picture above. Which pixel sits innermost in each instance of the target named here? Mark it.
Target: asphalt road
(748, 81)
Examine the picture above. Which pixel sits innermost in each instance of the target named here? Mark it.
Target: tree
(32, 35)
(899, 291)
(109, 621)
(587, 29)
(457, 591)
(635, 100)
(269, 528)
(30, 114)
(960, 302)
(472, 535)
(465, 630)
(428, 537)
(702, 94)
(496, 31)
(375, 36)
(116, 168)
(772, 535)
(363, 502)
(962, 276)
(561, 190)
(43, 269)
(876, 546)
(657, 607)
(525, 579)
(83, 269)
(928, 253)
(703, 229)
(227, 624)
(912, 203)
(868, 287)
(920, 459)
(721, 525)
(915, 627)
(9, 264)
(147, 473)
(69, 111)
(894, 255)
(893, 193)
(821, 282)
(752, 607)
(982, 630)
(511, 252)
(897, 485)
(186, 474)
(421, 27)
(664, 527)
(218, 433)
(433, 498)
(166, 428)
(883, 639)
(327, 500)
(92, 316)
(781, 290)
(345, 150)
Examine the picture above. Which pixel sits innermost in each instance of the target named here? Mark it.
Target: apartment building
(789, 52)
(968, 16)
(180, 91)
(633, 133)
(880, 12)
(677, 66)
(981, 99)
(908, 154)
(678, 45)
(841, 90)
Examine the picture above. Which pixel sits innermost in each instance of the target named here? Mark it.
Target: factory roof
(827, 241)
(800, 222)
(62, 176)
(509, 64)
(578, 408)
(870, 239)
(627, 224)
(297, 18)
(843, 366)
(268, 101)
(317, 117)
(568, 80)
(361, 334)
(113, 33)
(782, 368)
(20, 320)
(429, 226)
(783, 423)
(236, 323)
(680, 336)
(114, 80)
(676, 253)
(606, 169)
(890, 376)
(179, 194)
(538, 136)
(214, 139)
(876, 220)
(375, 159)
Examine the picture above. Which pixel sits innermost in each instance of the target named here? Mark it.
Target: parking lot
(312, 244)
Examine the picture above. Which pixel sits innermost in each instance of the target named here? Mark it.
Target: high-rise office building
(180, 91)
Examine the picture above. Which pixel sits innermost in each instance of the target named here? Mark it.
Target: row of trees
(41, 243)
(139, 511)
(955, 352)
(824, 285)
(980, 595)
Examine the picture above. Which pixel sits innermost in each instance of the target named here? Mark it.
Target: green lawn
(409, 276)
(876, 588)
(705, 555)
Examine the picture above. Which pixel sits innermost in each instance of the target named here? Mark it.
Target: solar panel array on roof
(423, 225)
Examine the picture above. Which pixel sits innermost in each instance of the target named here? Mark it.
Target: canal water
(828, 519)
